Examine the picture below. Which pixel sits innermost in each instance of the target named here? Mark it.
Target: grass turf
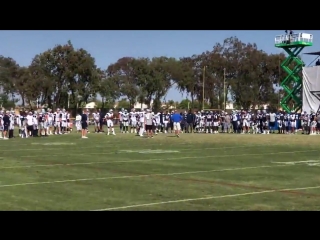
(193, 172)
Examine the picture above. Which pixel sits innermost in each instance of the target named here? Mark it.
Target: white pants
(142, 128)
(209, 124)
(125, 123)
(133, 123)
(176, 126)
(293, 124)
(109, 123)
(245, 123)
(64, 123)
(78, 125)
(215, 124)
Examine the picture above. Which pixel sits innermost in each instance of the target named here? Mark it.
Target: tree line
(64, 76)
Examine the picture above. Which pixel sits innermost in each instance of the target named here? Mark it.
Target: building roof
(313, 53)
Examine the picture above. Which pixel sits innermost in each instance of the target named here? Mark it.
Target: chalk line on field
(148, 160)
(107, 145)
(119, 151)
(206, 198)
(109, 153)
(138, 176)
(132, 146)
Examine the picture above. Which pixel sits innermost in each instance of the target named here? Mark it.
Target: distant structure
(293, 44)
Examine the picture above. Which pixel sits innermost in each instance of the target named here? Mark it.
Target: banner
(311, 89)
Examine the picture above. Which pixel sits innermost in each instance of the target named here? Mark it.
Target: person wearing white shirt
(29, 124)
(78, 122)
(142, 123)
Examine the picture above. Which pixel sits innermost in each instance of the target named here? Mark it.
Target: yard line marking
(138, 176)
(107, 153)
(148, 160)
(100, 146)
(206, 198)
(110, 143)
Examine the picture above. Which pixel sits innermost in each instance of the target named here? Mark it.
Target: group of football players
(35, 124)
(214, 122)
(45, 123)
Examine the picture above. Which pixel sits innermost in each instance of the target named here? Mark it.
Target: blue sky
(108, 46)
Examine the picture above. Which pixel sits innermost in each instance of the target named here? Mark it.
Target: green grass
(202, 172)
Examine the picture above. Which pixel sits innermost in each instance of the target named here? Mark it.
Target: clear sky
(108, 46)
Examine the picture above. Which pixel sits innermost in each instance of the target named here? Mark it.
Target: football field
(193, 172)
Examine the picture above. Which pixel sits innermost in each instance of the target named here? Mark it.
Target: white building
(91, 105)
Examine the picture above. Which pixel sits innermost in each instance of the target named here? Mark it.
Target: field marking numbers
(148, 160)
(149, 151)
(310, 163)
(137, 176)
(206, 198)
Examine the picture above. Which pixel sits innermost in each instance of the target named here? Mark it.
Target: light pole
(224, 89)
(69, 99)
(203, 81)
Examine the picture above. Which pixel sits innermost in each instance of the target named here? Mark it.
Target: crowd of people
(45, 123)
(211, 122)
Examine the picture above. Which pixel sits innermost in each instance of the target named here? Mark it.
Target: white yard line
(108, 144)
(118, 151)
(138, 176)
(206, 198)
(148, 160)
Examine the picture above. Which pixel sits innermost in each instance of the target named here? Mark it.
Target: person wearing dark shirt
(190, 120)
(101, 121)
(318, 62)
(84, 124)
(6, 124)
(161, 121)
(183, 122)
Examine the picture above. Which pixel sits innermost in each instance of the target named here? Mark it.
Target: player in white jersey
(293, 122)
(125, 121)
(120, 119)
(157, 123)
(141, 123)
(12, 121)
(57, 122)
(35, 121)
(109, 117)
(166, 121)
(202, 122)
(50, 121)
(245, 123)
(69, 123)
(63, 121)
(1, 124)
(133, 121)
(96, 118)
(78, 123)
(209, 117)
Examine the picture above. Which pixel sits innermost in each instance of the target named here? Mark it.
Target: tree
(184, 104)
(8, 74)
(122, 73)
(64, 70)
(123, 103)
(64, 75)
(6, 103)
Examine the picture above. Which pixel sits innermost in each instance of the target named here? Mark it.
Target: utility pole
(203, 81)
(224, 89)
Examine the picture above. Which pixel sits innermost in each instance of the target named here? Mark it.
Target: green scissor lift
(293, 44)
